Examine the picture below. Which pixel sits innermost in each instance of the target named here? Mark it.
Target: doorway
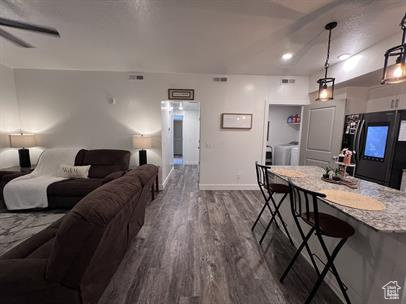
(178, 140)
(283, 135)
(180, 136)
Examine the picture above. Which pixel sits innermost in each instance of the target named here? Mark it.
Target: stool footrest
(321, 261)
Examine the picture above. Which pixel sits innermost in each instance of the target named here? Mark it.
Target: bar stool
(267, 190)
(321, 224)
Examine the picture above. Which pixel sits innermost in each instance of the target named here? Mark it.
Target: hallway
(197, 247)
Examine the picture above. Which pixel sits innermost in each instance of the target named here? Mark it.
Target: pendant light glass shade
(394, 69)
(326, 89)
(326, 84)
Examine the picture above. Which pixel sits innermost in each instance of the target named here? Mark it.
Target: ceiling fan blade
(29, 27)
(14, 39)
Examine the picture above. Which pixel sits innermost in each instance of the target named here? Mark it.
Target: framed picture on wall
(181, 94)
(236, 121)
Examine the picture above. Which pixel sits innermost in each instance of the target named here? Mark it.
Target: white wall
(357, 98)
(232, 153)
(9, 118)
(279, 131)
(167, 140)
(191, 135)
(70, 108)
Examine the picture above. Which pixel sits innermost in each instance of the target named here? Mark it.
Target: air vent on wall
(220, 79)
(136, 77)
(285, 80)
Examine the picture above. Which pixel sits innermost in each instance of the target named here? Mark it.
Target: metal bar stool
(267, 190)
(321, 224)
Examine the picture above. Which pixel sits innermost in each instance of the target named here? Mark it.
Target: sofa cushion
(84, 227)
(144, 173)
(102, 205)
(103, 161)
(63, 202)
(43, 251)
(23, 281)
(74, 187)
(8, 177)
(113, 176)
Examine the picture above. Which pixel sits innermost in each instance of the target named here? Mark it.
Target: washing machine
(282, 154)
(294, 156)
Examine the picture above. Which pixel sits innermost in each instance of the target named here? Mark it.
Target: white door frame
(267, 103)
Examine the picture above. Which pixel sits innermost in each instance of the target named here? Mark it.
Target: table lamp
(142, 142)
(23, 141)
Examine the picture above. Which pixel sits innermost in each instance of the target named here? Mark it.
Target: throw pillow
(69, 171)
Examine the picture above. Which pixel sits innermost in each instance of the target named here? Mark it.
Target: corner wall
(9, 118)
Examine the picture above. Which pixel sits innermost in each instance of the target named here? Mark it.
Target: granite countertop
(392, 219)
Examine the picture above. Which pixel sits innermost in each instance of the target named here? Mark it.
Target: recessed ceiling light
(344, 56)
(287, 56)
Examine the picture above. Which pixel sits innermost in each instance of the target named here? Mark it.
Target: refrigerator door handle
(358, 141)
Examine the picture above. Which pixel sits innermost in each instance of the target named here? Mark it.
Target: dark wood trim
(191, 93)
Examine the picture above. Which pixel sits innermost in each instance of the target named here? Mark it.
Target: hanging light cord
(403, 27)
(328, 53)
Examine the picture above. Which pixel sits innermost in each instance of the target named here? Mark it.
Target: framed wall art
(236, 121)
(181, 94)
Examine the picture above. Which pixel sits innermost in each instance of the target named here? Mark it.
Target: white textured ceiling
(196, 36)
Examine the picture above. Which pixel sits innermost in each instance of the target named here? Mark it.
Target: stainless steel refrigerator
(380, 145)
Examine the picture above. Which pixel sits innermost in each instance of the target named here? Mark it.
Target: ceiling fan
(24, 26)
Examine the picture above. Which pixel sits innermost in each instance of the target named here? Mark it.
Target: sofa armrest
(17, 273)
(23, 281)
(9, 177)
(113, 176)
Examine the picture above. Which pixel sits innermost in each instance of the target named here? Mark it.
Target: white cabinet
(387, 98)
(402, 102)
(383, 104)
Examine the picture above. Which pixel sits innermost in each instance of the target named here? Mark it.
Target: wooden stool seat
(279, 188)
(329, 225)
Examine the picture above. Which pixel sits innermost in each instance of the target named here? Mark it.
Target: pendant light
(394, 71)
(326, 84)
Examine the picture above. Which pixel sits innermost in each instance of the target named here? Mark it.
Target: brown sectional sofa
(73, 260)
(106, 165)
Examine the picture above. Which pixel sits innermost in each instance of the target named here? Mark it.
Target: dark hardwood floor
(197, 247)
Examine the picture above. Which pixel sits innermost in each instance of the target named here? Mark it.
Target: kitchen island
(375, 255)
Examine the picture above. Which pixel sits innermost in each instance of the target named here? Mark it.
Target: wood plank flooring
(197, 247)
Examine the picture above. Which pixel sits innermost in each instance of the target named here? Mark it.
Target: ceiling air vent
(136, 77)
(220, 79)
(285, 80)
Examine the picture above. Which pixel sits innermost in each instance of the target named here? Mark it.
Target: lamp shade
(142, 142)
(22, 140)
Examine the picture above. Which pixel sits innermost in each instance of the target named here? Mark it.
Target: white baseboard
(228, 186)
(163, 185)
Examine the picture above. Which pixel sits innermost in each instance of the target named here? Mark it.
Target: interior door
(322, 131)
(178, 137)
